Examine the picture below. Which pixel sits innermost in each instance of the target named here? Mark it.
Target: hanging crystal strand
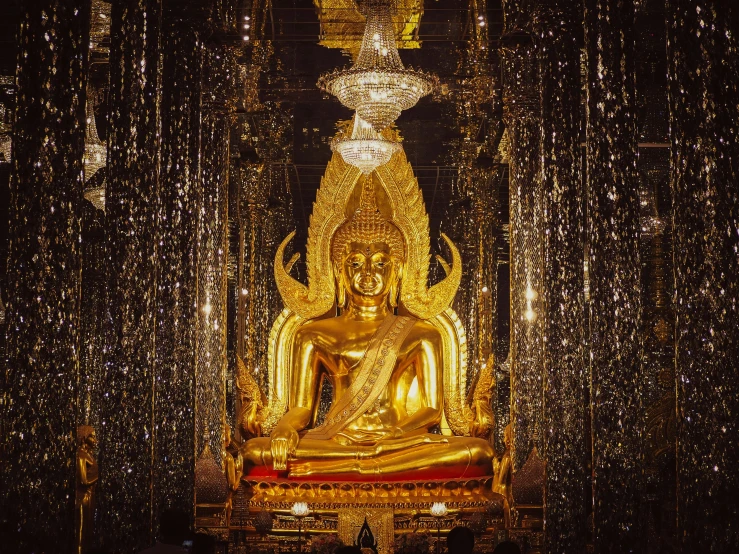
(658, 369)
(703, 84)
(126, 437)
(614, 276)
(93, 315)
(559, 30)
(378, 50)
(174, 395)
(521, 116)
(37, 492)
(212, 248)
(254, 213)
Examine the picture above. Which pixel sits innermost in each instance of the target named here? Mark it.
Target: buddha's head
(368, 256)
(86, 437)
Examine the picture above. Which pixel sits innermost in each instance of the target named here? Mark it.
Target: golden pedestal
(463, 495)
(390, 507)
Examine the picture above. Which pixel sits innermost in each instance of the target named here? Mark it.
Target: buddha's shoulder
(424, 329)
(320, 331)
(319, 326)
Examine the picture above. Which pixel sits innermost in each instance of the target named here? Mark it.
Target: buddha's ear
(340, 287)
(394, 296)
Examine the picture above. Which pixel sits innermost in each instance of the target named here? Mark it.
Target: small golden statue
(233, 467)
(504, 468)
(395, 353)
(87, 476)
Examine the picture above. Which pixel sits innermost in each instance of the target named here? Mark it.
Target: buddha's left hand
(370, 437)
(407, 441)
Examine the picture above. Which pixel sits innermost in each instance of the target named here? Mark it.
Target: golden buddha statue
(503, 468)
(87, 476)
(233, 467)
(395, 353)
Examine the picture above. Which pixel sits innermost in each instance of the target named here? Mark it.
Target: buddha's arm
(230, 468)
(82, 476)
(303, 390)
(427, 364)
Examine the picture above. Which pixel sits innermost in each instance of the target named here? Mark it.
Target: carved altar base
(392, 509)
(401, 506)
(409, 496)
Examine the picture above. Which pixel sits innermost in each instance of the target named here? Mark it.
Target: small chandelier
(378, 86)
(96, 153)
(366, 148)
(96, 157)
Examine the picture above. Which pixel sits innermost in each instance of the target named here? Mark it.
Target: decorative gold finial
(367, 200)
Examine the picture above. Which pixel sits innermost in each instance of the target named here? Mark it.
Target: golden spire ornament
(378, 86)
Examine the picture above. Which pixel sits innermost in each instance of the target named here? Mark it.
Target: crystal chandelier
(96, 153)
(96, 195)
(366, 148)
(96, 156)
(377, 86)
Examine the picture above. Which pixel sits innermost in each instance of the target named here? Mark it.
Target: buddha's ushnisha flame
(367, 225)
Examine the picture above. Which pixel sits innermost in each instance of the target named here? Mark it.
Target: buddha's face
(369, 271)
(91, 441)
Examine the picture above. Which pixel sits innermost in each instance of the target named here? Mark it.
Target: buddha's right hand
(283, 442)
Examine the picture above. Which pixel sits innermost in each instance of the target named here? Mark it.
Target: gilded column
(521, 116)
(703, 55)
(212, 250)
(614, 276)
(180, 186)
(126, 435)
(43, 280)
(559, 29)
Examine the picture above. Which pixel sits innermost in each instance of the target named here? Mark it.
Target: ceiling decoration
(342, 24)
(378, 86)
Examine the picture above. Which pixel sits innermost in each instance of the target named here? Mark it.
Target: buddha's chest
(360, 354)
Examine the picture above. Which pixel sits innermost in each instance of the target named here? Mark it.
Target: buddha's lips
(368, 284)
